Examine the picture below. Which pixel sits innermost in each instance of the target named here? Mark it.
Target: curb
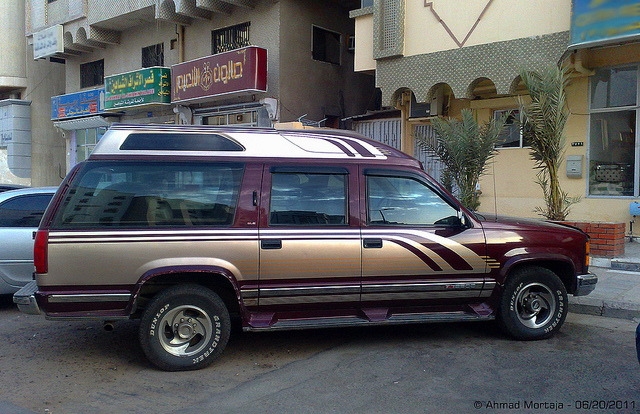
(604, 307)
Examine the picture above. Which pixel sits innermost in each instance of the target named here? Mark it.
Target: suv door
(309, 240)
(418, 247)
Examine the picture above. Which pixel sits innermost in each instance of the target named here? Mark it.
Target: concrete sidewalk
(617, 293)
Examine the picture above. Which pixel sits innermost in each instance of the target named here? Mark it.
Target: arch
(68, 39)
(447, 91)
(166, 10)
(517, 86)
(482, 87)
(396, 98)
(81, 35)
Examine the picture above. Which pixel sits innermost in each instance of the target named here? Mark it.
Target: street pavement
(617, 294)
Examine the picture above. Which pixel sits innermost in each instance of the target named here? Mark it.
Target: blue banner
(604, 21)
(77, 104)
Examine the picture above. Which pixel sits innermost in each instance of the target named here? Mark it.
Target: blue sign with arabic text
(604, 21)
(77, 104)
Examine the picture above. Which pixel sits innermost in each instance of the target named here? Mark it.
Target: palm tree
(545, 120)
(464, 147)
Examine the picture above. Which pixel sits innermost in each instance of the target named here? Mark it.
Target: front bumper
(586, 284)
(25, 298)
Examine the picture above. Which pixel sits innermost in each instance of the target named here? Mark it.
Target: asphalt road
(77, 367)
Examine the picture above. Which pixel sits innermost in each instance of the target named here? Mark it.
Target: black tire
(533, 304)
(184, 328)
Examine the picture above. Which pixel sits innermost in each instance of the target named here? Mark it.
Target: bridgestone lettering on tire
(533, 304)
(184, 328)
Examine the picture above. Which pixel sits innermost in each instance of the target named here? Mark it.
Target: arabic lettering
(206, 77)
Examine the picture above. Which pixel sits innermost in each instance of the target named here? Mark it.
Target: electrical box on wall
(574, 166)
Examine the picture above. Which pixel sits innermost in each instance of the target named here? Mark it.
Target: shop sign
(48, 42)
(236, 72)
(77, 104)
(149, 86)
(602, 22)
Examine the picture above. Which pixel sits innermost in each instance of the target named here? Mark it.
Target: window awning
(83, 123)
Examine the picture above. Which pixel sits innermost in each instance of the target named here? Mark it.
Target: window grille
(390, 16)
(230, 38)
(92, 74)
(153, 55)
(431, 163)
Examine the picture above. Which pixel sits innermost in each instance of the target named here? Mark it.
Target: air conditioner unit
(419, 109)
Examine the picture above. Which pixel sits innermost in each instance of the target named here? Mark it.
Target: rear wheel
(184, 328)
(534, 304)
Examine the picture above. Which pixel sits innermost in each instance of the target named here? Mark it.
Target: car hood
(488, 220)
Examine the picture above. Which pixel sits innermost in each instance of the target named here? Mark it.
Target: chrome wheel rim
(185, 330)
(535, 305)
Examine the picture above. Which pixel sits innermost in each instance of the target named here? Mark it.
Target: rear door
(418, 248)
(309, 239)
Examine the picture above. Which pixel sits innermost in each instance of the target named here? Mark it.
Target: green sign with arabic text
(151, 86)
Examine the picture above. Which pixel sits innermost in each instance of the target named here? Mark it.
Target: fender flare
(537, 257)
(202, 269)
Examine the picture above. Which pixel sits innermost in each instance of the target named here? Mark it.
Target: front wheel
(533, 304)
(184, 328)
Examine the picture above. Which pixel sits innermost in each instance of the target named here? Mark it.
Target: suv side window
(308, 199)
(25, 211)
(406, 201)
(175, 194)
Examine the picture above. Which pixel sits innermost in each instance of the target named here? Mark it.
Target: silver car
(20, 214)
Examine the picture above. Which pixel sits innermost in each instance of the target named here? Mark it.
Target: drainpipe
(177, 109)
(180, 43)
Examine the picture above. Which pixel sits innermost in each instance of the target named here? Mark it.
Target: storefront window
(613, 160)
(86, 140)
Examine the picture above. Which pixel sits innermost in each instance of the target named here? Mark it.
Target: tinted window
(405, 201)
(179, 142)
(24, 211)
(152, 195)
(308, 199)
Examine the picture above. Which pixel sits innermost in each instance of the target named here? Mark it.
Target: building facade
(435, 58)
(210, 62)
(29, 152)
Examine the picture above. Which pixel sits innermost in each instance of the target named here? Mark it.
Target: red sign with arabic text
(236, 72)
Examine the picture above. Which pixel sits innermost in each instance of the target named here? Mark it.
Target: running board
(344, 321)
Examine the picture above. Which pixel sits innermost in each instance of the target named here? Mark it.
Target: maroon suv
(186, 226)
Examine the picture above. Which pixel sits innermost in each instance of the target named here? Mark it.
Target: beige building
(30, 154)
(437, 57)
(116, 52)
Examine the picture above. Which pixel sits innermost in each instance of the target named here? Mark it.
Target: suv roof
(196, 140)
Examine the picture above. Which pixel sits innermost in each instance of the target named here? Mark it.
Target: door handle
(271, 244)
(372, 243)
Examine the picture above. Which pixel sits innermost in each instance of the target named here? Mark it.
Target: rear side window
(308, 199)
(125, 194)
(24, 211)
